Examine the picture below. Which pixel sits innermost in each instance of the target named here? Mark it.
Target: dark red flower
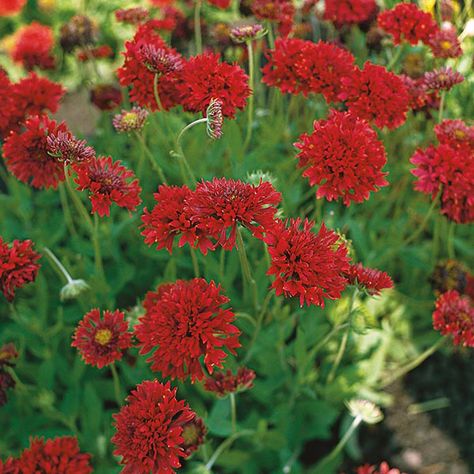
(133, 16)
(455, 133)
(18, 266)
(79, 31)
(442, 79)
(218, 206)
(54, 456)
(419, 97)
(444, 43)
(371, 280)
(383, 469)
(6, 382)
(204, 77)
(223, 383)
(454, 315)
(452, 275)
(7, 354)
(194, 432)
(406, 22)
(222, 4)
(348, 12)
(344, 157)
(307, 265)
(108, 181)
(26, 153)
(11, 7)
(8, 109)
(33, 46)
(100, 52)
(102, 341)
(67, 148)
(244, 33)
(10, 466)
(149, 429)
(185, 322)
(106, 96)
(161, 61)
(279, 11)
(376, 95)
(171, 218)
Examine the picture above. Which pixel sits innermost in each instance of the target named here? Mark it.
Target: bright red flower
(194, 432)
(108, 181)
(406, 22)
(100, 52)
(444, 43)
(222, 4)
(371, 280)
(26, 153)
(376, 95)
(132, 16)
(135, 74)
(453, 169)
(10, 466)
(204, 78)
(106, 96)
(307, 265)
(218, 206)
(344, 157)
(101, 341)
(33, 46)
(8, 109)
(185, 322)
(11, 7)
(149, 429)
(383, 469)
(171, 218)
(279, 11)
(348, 12)
(454, 314)
(443, 78)
(223, 383)
(455, 133)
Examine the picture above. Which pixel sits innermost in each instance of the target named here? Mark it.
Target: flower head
(130, 120)
(11, 7)
(218, 206)
(376, 95)
(194, 432)
(67, 148)
(442, 79)
(307, 265)
(452, 275)
(9, 466)
(244, 33)
(223, 383)
(108, 181)
(72, 289)
(6, 382)
(8, 352)
(149, 429)
(371, 280)
(159, 60)
(420, 98)
(406, 22)
(444, 43)
(454, 315)
(106, 96)
(58, 455)
(348, 12)
(366, 410)
(102, 340)
(215, 119)
(132, 16)
(344, 157)
(33, 46)
(204, 78)
(80, 30)
(279, 11)
(88, 54)
(185, 322)
(455, 133)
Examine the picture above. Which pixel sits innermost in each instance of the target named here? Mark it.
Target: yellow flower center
(130, 118)
(460, 134)
(446, 45)
(103, 336)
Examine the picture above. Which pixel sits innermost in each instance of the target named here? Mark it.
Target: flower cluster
(223, 383)
(8, 352)
(18, 266)
(348, 12)
(344, 157)
(185, 322)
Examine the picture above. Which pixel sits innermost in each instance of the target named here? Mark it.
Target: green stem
(67, 211)
(225, 444)
(155, 92)
(149, 154)
(195, 262)
(222, 264)
(271, 36)
(395, 58)
(99, 266)
(117, 386)
(246, 272)
(441, 106)
(80, 208)
(251, 98)
(451, 229)
(58, 264)
(197, 26)
(233, 412)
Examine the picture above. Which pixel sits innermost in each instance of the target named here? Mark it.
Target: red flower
(406, 22)
(371, 280)
(18, 266)
(170, 218)
(223, 383)
(130, 120)
(203, 78)
(104, 51)
(454, 314)
(347, 12)
(279, 11)
(419, 96)
(218, 206)
(149, 429)
(222, 4)
(376, 95)
(101, 341)
(66, 147)
(183, 323)
(106, 96)
(10, 466)
(135, 74)
(133, 16)
(455, 133)
(26, 153)
(442, 79)
(444, 43)
(33, 46)
(305, 264)
(383, 469)
(8, 108)
(194, 432)
(11, 7)
(7, 354)
(54, 456)
(108, 181)
(344, 157)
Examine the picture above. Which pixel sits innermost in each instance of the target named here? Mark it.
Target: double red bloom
(344, 157)
(18, 266)
(101, 341)
(185, 322)
(149, 429)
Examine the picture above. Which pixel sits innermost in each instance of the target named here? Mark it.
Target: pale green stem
(441, 106)
(150, 156)
(250, 106)
(117, 385)
(155, 92)
(225, 444)
(195, 262)
(233, 412)
(66, 210)
(197, 26)
(395, 58)
(99, 267)
(246, 272)
(77, 201)
(451, 229)
(58, 264)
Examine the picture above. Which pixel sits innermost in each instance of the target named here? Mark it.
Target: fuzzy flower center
(446, 45)
(103, 336)
(190, 434)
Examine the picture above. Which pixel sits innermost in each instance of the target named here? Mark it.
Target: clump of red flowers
(58, 455)
(11, 7)
(149, 429)
(108, 182)
(204, 77)
(18, 266)
(344, 157)
(384, 468)
(371, 280)
(223, 383)
(454, 315)
(349, 12)
(279, 11)
(406, 22)
(8, 352)
(306, 265)
(33, 46)
(185, 324)
(102, 340)
(376, 95)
